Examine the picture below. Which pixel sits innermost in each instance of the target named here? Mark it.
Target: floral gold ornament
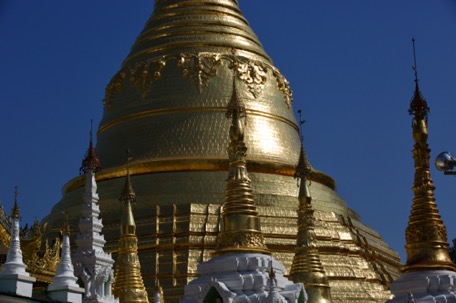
(199, 68)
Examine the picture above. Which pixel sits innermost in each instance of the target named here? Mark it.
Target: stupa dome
(167, 105)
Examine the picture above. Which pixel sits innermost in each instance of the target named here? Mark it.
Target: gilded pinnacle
(128, 285)
(426, 237)
(91, 161)
(15, 213)
(127, 197)
(128, 194)
(418, 105)
(241, 230)
(306, 266)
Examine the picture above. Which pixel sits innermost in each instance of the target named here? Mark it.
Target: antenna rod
(301, 122)
(414, 61)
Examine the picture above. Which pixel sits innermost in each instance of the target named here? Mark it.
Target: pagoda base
(224, 278)
(17, 284)
(433, 286)
(67, 293)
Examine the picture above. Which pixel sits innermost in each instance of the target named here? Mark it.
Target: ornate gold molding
(199, 68)
(144, 73)
(115, 86)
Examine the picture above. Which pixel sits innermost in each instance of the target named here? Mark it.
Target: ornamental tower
(63, 287)
(129, 286)
(168, 103)
(238, 272)
(91, 264)
(429, 274)
(306, 267)
(14, 279)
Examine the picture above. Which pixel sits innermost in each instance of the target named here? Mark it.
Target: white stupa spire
(91, 263)
(13, 277)
(64, 288)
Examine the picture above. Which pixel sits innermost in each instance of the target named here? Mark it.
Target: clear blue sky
(348, 62)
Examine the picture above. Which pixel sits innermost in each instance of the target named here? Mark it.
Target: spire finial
(15, 211)
(301, 122)
(91, 161)
(304, 168)
(91, 129)
(418, 105)
(235, 106)
(128, 194)
(415, 69)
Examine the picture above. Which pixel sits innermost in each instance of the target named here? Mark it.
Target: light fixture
(445, 162)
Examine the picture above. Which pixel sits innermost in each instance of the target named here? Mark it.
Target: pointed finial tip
(418, 105)
(91, 161)
(128, 194)
(15, 211)
(415, 69)
(235, 106)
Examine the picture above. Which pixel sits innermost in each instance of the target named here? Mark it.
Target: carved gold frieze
(284, 87)
(425, 232)
(240, 239)
(114, 87)
(199, 68)
(143, 74)
(254, 74)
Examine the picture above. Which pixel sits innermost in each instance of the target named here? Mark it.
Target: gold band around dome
(191, 109)
(181, 165)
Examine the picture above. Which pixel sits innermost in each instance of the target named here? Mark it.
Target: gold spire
(426, 237)
(306, 266)
(128, 197)
(128, 284)
(186, 26)
(241, 230)
(15, 213)
(91, 161)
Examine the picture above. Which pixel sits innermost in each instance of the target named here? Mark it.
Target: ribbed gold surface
(167, 105)
(169, 98)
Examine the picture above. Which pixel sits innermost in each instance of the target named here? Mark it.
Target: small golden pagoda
(306, 267)
(128, 284)
(241, 230)
(167, 103)
(429, 274)
(426, 237)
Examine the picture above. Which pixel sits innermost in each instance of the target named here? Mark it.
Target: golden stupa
(167, 105)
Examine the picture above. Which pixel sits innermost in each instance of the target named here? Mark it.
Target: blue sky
(348, 63)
